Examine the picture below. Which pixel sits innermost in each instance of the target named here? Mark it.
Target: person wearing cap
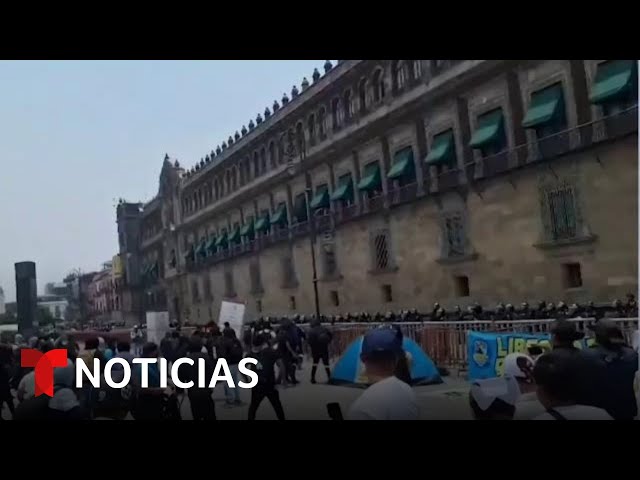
(520, 367)
(558, 377)
(64, 405)
(494, 398)
(387, 397)
(621, 365)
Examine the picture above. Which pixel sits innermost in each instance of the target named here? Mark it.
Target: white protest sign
(157, 326)
(234, 314)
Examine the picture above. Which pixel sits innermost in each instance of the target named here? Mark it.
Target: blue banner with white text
(486, 351)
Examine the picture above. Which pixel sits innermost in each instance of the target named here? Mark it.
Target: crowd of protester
(278, 349)
(565, 383)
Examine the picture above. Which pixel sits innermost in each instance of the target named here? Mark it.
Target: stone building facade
(410, 181)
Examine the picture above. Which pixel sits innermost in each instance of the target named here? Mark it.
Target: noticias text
(120, 376)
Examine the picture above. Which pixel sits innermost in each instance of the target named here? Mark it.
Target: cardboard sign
(157, 326)
(234, 314)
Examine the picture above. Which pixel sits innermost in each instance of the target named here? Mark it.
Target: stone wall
(504, 229)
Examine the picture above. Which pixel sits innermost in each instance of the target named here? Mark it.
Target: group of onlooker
(567, 383)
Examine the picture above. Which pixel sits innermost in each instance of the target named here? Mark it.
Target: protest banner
(157, 326)
(487, 350)
(234, 314)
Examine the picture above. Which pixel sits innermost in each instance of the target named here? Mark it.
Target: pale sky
(75, 135)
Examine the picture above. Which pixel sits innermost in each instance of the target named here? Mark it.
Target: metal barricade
(446, 342)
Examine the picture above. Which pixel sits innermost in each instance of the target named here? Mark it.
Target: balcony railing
(322, 222)
(561, 143)
(300, 229)
(344, 213)
(614, 126)
(448, 179)
(404, 194)
(373, 204)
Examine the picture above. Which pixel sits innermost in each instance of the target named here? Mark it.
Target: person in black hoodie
(621, 365)
(319, 338)
(265, 368)
(6, 370)
(202, 405)
(64, 405)
(563, 338)
(231, 350)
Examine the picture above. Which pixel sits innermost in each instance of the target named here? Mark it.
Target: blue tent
(350, 371)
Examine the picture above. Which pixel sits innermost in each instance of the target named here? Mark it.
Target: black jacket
(231, 350)
(620, 365)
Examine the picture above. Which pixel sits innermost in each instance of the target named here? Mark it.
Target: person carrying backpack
(319, 339)
(232, 352)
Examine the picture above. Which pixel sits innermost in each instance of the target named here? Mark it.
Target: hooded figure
(64, 404)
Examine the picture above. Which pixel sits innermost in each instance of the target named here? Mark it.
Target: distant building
(2, 307)
(416, 181)
(59, 289)
(56, 305)
(105, 295)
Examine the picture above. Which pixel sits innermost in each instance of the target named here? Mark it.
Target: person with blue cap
(388, 397)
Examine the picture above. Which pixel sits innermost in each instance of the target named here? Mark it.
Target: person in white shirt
(557, 377)
(494, 398)
(520, 367)
(387, 398)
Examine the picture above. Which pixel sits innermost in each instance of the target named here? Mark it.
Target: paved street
(308, 402)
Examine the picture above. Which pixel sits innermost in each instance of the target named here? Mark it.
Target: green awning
(321, 199)
(202, 248)
(211, 245)
(153, 269)
(489, 129)
(247, 230)
(614, 79)
(145, 270)
(280, 217)
(344, 191)
(371, 178)
(190, 252)
(402, 164)
(222, 240)
(262, 225)
(441, 150)
(545, 106)
(235, 235)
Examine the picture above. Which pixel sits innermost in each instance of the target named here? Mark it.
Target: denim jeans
(232, 394)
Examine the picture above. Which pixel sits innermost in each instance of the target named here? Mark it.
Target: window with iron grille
(208, 290)
(335, 298)
(560, 208)
(382, 259)
(562, 213)
(229, 286)
(254, 276)
(387, 294)
(454, 235)
(288, 272)
(300, 208)
(329, 260)
(572, 275)
(195, 291)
